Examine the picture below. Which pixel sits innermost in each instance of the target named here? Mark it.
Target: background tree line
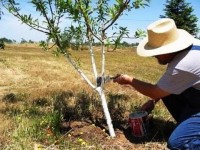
(73, 45)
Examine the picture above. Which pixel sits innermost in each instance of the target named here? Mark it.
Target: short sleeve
(177, 81)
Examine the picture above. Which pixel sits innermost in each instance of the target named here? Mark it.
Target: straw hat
(164, 37)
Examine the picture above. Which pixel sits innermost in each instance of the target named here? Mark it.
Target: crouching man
(179, 87)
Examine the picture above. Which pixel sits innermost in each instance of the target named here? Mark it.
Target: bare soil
(124, 140)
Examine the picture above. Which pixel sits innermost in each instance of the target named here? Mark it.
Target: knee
(175, 143)
(186, 145)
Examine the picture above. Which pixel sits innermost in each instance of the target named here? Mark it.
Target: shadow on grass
(16, 104)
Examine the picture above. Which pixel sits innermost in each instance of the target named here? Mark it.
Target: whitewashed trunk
(106, 112)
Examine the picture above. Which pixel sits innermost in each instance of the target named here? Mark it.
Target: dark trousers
(185, 108)
(184, 105)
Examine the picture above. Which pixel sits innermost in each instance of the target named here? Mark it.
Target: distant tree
(181, 12)
(23, 41)
(6, 40)
(117, 42)
(73, 37)
(30, 41)
(126, 44)
(2, 45)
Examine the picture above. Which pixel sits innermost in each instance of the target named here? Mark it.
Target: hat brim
(185, 40)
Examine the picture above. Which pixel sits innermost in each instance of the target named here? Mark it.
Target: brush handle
(114, 77)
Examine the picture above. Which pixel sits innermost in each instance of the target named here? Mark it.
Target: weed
(118, 105)
(2, 61)
(83, 103)
(10, 98)
(13, 98)
(40, 102)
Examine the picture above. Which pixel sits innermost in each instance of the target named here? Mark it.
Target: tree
(123, 31)
(6, 40)
(30, 41)
(23, 41)
(181, 12)
(2, 45)
(89, 20)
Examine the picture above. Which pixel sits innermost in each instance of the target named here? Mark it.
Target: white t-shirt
(182, 72)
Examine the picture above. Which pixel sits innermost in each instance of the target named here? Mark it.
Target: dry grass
(30, 69)
(36, 79)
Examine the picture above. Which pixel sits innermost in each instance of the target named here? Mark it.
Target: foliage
(2, 45)
(44, 44)
(181, 12)
(7, 40)
(122, 31)
(73, 37)
(23, 41)
(140, 33)
(30, 41)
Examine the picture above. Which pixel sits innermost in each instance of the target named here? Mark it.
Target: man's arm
(150, 90)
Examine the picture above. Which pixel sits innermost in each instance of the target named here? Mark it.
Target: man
(179, 87)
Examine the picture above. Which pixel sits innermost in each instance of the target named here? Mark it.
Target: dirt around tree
(88, 132)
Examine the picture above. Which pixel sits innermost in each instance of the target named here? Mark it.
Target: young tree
(90, 20)
(181, 12)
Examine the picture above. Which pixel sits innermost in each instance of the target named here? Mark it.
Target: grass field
(42, 94)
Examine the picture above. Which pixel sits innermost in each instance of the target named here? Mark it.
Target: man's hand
(123, 79)
(148, 106)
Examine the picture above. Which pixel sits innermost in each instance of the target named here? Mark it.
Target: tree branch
(51, 10)
(87, 21)
(112, 20)
(31, 25)
(80, 71)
